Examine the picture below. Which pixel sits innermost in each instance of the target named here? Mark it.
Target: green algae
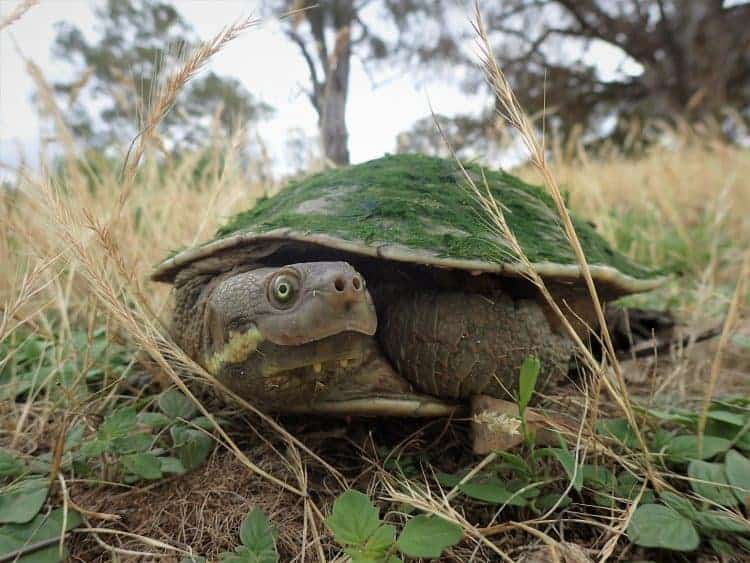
(424, 203)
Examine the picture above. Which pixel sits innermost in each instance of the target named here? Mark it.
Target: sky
(263, 59)
(269, 66)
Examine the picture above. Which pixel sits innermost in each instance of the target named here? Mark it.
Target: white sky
(263, 59)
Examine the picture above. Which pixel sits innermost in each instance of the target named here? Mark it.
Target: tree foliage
(679, 59)
(117, 72)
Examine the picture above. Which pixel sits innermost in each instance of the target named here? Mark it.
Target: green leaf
(428, 536)
(353, 518)
(381, 540)
(619, 430)
(117, 424)
(374, 550)
(180, 434)
(172, 465)
(94, 448)
(20, 502)
(729, 417)
(545, 502)
(679, 504)
(661, 440)
(176, 405)
(685, 448)
(629, 487)
(154, 420)
(205, 423)
(258, 536)
(192, 446)
(75, 436)
(598, 477)
(138, 442)
(10, 465)
(743, 441)
(515, 462)
(41, 528)
(713, 520)
(722, 430)
(527, 381)
(679, 416)
(147, 466)
(721, 547)
(737, 468)
(244, 554)
(361, 556)
(492, 489)
(653, 525)
(568, 462)
(709, 481)
(448, 479)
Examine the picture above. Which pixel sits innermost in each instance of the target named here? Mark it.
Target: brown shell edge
(167, 270)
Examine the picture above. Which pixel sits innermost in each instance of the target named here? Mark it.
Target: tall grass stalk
(511, 111)
(17, 12)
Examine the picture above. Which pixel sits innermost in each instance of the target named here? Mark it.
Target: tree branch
(314, 16)
(631, 37)
(317, 87)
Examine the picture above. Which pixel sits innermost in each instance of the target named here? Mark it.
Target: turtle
(384, 289)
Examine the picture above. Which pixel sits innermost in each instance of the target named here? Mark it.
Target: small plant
(526, 384)
(21, 500)
(190, 439)
(25, 533)
(258, 539)
(131, 446)
(675, 523)
(37, 539)
(717, 472)
(357, 526)
(67, 370)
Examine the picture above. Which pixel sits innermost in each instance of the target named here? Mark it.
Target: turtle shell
(419, 209)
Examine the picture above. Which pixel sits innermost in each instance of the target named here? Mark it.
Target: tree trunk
(332, 117)
(332, 111)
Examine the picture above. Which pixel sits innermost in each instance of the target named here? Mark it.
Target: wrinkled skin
(302, 338)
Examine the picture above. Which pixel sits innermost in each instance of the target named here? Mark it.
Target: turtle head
(276, 324)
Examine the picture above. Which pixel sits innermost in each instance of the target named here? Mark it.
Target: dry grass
(76, 248)
(17, 12)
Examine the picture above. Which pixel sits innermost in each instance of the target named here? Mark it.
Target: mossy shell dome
(418, 209)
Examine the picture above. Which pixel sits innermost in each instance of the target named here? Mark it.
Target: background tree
(330, 32)
(115, 73)
(323, 32)
(468, 135)
(692, 59)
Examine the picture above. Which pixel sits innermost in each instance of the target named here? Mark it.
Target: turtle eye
(284, 289)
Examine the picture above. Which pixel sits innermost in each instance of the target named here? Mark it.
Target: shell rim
(167, 269)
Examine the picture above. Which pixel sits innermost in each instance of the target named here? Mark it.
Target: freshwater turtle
(384, 288)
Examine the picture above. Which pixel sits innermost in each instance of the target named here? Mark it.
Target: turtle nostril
(356, 283)
(339, 284)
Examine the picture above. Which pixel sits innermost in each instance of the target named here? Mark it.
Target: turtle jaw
(319, 359)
